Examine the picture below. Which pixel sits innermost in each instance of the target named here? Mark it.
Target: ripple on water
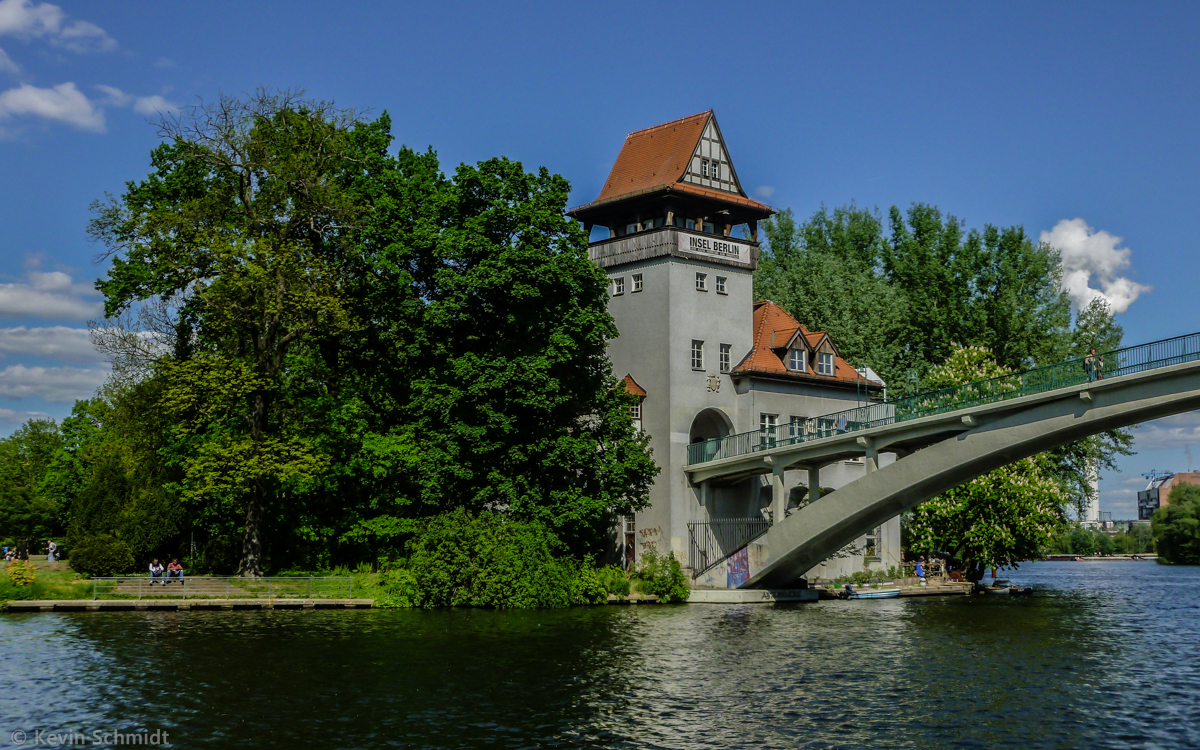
(1106, 656)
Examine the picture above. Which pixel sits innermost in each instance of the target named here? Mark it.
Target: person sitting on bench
(175, 570)
(156, 572)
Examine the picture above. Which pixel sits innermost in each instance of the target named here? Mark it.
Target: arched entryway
(709, 424)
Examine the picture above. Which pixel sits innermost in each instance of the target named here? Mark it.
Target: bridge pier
(778, 495)
(814, 483)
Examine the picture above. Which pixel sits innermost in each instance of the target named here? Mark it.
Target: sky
(1075, 120)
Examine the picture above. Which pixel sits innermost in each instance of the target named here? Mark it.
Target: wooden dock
(110, 605)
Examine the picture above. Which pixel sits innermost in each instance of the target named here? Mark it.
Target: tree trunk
(251, 565)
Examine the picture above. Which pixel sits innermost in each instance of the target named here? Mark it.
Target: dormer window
(825, 363)
(798, 360)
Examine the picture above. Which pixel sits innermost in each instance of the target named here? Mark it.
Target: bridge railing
(1070, 372)
(713, 542)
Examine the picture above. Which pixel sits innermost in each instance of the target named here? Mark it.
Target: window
(795, 426)
(635, 412)
(716, 169)
(701, 282)
(721, 285)
(767, 423)
(825, 363)
(630, 228)
(697, 355)
(725, 357)
(798, 360)
(618, 285)
(689, 223)
(637, 282)
(704, 167)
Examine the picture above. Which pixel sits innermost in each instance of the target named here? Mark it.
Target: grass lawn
(50, 584)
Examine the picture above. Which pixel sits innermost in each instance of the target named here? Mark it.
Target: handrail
(1063, 374)
(715, 541)
(225, 587)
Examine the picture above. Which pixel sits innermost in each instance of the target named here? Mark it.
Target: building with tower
(706, 359)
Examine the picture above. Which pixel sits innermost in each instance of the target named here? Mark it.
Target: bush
(614, 580)
(1177, 527)
(661, 576)
(102, 556)
(487, 560)
(21, 574)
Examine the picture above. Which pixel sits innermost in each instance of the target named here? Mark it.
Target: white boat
(875, 594)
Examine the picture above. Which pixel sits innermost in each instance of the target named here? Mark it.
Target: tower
(681, 250)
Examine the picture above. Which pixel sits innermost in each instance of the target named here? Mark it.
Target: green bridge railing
(1039, 380)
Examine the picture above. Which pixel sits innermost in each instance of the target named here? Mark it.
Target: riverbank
(1100, 558)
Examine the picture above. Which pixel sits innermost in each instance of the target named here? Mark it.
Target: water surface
(1107, 655)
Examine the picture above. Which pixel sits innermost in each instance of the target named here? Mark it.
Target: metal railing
(224, 587)
(1071, 372)
(713, 542)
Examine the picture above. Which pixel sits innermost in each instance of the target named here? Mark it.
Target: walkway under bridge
(941, 439)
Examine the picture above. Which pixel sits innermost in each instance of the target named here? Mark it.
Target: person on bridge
(175, 570)
(156, 571)
(1094, 366)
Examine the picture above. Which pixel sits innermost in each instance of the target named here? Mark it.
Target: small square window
(618, 285)
(701, 282)
(697, 355)
(825, 363)
(725, 349)
(689, 223)
(798, 360)
(630, 228)
(635, 411)
(637, 282)
(721, 285)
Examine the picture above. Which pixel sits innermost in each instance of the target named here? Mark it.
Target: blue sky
(1077, 120)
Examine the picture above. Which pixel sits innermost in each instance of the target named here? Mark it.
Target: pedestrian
(920, 569)
(156, 571)
(51, 550)
(1089, 365)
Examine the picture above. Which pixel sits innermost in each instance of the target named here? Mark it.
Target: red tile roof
(656, 159)
(632, 386)
(773, 329)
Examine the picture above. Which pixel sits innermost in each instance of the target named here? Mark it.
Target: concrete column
(705, 493)
(814, 483)
(872, 460)
(778, 496)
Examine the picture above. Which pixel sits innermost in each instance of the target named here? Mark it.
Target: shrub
(614, 580)
(486, 560)
(662, 576)
(588, 588)
(102, 556)
(21, 575)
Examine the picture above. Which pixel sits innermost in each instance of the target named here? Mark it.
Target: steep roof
(631, 385)
(657, 158)
(773, 330)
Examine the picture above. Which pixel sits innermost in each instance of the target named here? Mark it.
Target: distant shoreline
(1098, 558)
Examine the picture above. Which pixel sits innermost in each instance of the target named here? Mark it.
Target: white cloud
(7, 65)
(115, 96)
(61, 385)
(64, 103)
(1088, 254)
(9, 416)
(71, 345)
(1178, 431)
(164, 62)
(26, 20)
(154, 105)
(764, 191)
(54, 295)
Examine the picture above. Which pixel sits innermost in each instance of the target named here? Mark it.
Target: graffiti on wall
(739, 568)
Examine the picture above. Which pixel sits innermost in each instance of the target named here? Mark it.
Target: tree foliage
(903, 296)
(1008, 514)
(325, 343)
(1177, 526)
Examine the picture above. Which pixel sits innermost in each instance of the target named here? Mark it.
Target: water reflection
(1107, 655)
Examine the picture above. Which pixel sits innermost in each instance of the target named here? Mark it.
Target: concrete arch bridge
(941, 439)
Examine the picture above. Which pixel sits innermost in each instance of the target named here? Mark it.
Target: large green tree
(1005, 515)
(27, 512)
(1177, 526)
(344, 341)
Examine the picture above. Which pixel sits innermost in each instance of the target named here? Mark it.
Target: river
(1106, 655)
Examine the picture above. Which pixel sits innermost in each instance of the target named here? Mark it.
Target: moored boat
(875, 594)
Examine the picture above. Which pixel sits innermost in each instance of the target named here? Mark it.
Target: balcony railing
(1071, 372)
